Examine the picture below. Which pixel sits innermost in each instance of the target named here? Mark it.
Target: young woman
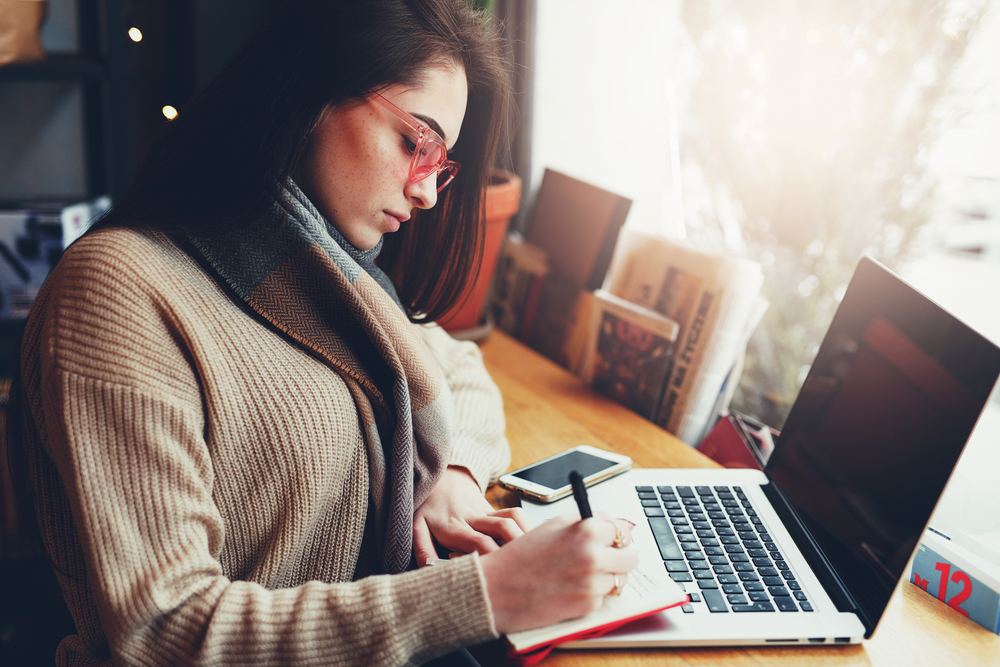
(242, 430)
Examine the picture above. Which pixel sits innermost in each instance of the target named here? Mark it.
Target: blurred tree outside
(805, 148)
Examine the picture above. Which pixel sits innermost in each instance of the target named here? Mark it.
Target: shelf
(56, 67)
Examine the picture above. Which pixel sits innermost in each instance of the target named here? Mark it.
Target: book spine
(947, 580)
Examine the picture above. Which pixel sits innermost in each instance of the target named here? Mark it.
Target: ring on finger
(619, 585)
(619, 541)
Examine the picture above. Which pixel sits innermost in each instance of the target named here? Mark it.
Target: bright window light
(135, 34)
(169, 112)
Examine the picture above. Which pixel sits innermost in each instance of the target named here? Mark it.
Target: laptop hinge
(819, 563)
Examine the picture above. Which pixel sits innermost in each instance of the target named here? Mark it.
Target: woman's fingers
(501, 529)
(423, 543)
(519, 516)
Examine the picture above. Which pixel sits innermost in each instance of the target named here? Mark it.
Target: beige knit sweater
(202, 482)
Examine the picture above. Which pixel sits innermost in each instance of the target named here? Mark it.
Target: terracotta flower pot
(503, 199)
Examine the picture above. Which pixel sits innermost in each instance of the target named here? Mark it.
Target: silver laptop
(810, 550)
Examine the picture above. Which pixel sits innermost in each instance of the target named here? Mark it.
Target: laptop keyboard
(715, 546)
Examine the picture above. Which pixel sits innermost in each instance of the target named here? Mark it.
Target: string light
(169, 112)
(135, 34)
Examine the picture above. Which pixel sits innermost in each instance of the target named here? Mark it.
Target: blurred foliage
(810, 123)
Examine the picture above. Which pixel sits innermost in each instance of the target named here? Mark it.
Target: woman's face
(356, 167)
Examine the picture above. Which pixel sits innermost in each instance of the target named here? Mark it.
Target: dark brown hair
(232, 149)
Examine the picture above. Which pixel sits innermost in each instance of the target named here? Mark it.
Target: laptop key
(714, 551)
(762, 562)
(661, 489)
(676, 566)
(718, 560)
(734, 549)
(767, 571)
(738, 599)
(758, 596)
(799, 595)
(722, 569)
(739, 558)
(695, 597)
(730, 539)
(732, 589)
(806, 606)
(794, 585)
(743, 567)
(781, 565)
(716, 603)
(685, 491)
(756, 606)
(786, 604)
(773, 581)
(652, 511)
(787, 574)
(650, 502)
(754, 586)
(699, 564)
(665, 539)
(728, 579)
(681, 576)
(687, 609)
(707, 584)
(778, 591)
(703, 490)
(748, 576)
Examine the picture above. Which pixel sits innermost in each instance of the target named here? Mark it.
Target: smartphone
(548, 480)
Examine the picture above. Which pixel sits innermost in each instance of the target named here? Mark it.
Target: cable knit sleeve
(201, 484)
(479, 443)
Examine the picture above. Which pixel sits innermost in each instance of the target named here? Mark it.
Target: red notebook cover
(533, 655)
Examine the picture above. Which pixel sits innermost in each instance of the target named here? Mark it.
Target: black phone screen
(555, 473)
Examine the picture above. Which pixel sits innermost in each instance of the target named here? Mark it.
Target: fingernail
(628, 522)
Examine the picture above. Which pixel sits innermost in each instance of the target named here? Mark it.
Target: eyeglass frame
(425, 135)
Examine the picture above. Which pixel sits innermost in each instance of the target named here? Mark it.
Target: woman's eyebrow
(431, 123)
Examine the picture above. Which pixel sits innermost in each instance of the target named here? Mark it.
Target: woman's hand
(457, 517)
(562, 569)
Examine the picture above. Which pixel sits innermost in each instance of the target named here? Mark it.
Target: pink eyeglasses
(430, 155)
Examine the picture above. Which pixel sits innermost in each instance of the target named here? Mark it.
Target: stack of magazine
(668, 333)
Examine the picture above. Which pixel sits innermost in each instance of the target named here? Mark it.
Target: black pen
(580, 494)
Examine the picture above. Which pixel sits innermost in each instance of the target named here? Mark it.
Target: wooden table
(549, 410)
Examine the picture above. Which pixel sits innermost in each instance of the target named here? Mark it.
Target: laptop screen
(878, 426)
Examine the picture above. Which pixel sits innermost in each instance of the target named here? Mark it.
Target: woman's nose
(423, 193)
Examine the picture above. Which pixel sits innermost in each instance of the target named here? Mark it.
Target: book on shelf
(647, 592)
(630, 352)
(715, 299)
(517, 283)
(578, 225)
